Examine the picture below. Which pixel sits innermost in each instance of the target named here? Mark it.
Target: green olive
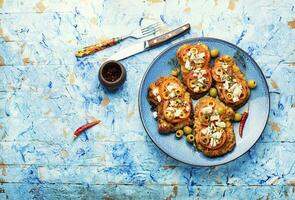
(238, 117)
(177, 101)
(230, 95)
(175, 72)
(190, 138)
(214, 53)
(213, 92)
(178, 91)
(192, 83)
(252, 84)
(168, 115)
(205, 118)
(187, 130)
(220, 110)
(179, 133)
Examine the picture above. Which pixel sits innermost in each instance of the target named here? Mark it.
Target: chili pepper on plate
(83, 128)
(243, 121)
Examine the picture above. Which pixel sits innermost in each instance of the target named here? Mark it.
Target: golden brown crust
(227, 139)
(226, 70)
(190, 67)
(168, 95)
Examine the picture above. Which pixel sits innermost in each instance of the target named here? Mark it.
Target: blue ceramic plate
(259, 105)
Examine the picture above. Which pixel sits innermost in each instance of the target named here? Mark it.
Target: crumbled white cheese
(203, 71)
(199, 77)
(202, 79)
(214, 143)
(206, 130)
(196, 73)
(233, 87)
(199, 73)
(188, 65)
(196, 89)
(155, 91)
(200, 55)
(199, 61)
(169, 108)
(237, 90)
(220, 124)
(159, 98)
(200, 58)
(226, 85)
(199, 84)
(217, 135)
(187, 108)
(214, 118)
(155, 114)
(212, 128)
(171, 87)
(177, 112)
(207, 109)
(235, 99)
(172, 103)
(172, 94)
(211, 142)
(196, 58)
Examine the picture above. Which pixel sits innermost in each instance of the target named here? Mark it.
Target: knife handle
(168, 36)
(85, 51)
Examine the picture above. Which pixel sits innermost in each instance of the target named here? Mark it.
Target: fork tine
(151, 29)
(150, 26)
(156, 29)
(154, 25)
(148, 34)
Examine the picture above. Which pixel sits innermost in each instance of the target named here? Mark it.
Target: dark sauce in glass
(111, 72)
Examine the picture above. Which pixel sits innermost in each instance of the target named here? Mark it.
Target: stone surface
(45, 93)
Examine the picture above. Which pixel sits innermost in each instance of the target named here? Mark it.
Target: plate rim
(167, 49)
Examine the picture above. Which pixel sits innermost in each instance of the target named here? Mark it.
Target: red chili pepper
(85, 127)
(242, 123)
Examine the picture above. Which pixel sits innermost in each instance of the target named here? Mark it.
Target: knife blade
(149, 44)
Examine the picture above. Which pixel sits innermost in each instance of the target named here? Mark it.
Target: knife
(149, 44)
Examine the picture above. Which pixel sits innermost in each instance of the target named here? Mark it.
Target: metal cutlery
(148, 44)
(137, 34)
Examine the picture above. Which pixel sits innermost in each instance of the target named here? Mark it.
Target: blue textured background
(46, 93)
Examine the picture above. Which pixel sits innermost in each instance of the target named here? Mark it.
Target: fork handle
(168, 36)
(85, 51)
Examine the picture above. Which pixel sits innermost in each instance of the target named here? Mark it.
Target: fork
(136, 34)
